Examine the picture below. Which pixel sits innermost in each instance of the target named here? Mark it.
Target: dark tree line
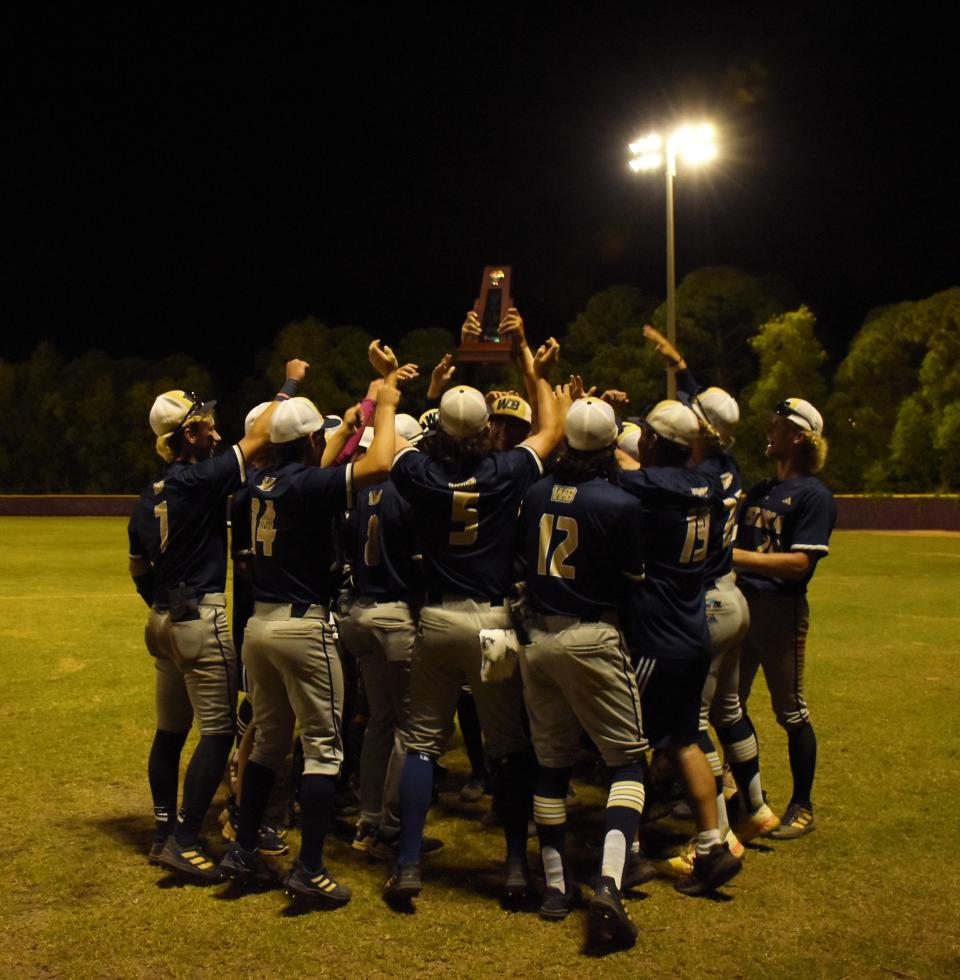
(892, 406)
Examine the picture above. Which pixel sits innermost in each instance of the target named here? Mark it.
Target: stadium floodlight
(695, 145)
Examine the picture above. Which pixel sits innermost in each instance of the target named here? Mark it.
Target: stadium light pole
(695, 144)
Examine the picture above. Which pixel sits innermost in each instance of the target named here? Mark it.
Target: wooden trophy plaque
(491, 305)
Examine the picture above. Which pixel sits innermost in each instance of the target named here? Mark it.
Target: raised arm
(259, 434)
(511, 326)
(545, 439)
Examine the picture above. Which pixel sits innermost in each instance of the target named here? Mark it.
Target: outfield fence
(855, 512)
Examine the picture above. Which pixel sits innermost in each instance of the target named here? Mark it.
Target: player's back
(665, 613)
(723, 468)
(180, 524)
(292, 513)
(579, 542)
(466, 518)
(382, 545)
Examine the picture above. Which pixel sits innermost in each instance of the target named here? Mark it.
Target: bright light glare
(693, 143)
(649, 161)
(646, 144)
(700, 153)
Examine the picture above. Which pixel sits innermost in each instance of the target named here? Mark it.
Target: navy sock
(550, 814)
(622, 817)
(163, 771)
(203, 776)
(742, 753)
(257, 783)
(802, 746)
(316, 809)
(416, 789)
(513, 778)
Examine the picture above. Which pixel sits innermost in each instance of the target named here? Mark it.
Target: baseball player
(178, 561)
(580, 540)
(465, 501)
(665, 619)
(727, 615)
(291, 656)
(785, 526)
(379, 630)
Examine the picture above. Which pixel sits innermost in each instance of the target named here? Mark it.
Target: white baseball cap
(801, 413)
(719, 409)
(406, 426)
(629, 439)
(463, 412)
(176, 408)
(590, 425)
(674, 421)
(294, 418)
(253, 415)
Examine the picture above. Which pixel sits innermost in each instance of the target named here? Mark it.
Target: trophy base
(485, 353)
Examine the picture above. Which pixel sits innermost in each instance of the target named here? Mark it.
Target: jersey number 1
(261, 526)
(567, 545)
(698, 536)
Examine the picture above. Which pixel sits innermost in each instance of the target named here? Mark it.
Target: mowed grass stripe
(872, 892)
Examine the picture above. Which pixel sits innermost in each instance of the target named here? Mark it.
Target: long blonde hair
(815, 449)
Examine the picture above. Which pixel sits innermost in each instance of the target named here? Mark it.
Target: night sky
(193, 181)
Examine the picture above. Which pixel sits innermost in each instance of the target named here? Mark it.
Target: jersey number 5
(465, 513)
(261, 526)
(567, 526)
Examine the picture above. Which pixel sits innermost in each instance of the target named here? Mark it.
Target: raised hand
(663, 346)
(382, 358)
(512, 326)
(296, 369)
(564, 398)
(577, 389)
(613, 396)
(441, 375)
(407, 373)
(470, 330)
(545, 358)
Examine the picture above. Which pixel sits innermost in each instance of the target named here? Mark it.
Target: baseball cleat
(517, 884)
(608, 922)
(473, 791)
(681, 864)
(192, 861)
(247, 867)
(797, 821)
(403, 884)
(760, 823)
(729, 784)
(734, 843)
(316, 886)
(387, 848)
(710, 871)
(639, 869)
(364, 837)
(557, 904)
(270, 840)
(156, 846)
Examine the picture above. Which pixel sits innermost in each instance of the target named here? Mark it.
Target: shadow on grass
(133, 831)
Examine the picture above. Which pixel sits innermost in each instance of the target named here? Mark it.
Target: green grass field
(873, 892)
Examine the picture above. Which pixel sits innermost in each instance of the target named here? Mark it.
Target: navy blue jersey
(467, 524)
(241, 544)
(180, 524)
(580, 544)
(382, 545)
(723, 522)
(664, 615)
(789, 515)
(293, 510)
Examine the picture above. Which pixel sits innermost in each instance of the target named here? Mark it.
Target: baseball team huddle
(581, 580)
